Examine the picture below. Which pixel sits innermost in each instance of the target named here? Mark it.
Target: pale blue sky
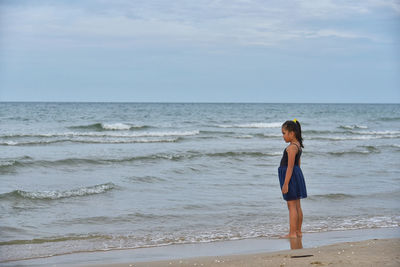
(200, 51)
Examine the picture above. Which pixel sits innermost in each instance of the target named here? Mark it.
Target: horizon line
(188, 102)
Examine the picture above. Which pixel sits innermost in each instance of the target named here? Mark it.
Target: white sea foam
(100, 137)
(83, 191)
(142, 134)
(9, 143)
(7, 163)
(124, 141)
(354, 126)
(116, 126)
(116, 134)
(246, 136)
(37, 142)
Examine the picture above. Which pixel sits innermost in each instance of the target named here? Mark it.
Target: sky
(320, 51)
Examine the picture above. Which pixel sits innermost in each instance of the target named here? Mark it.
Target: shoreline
(179, 253)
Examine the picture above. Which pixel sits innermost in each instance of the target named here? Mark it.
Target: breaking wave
(110, 127)
(56, 194)
(95, 137)
(96, 134)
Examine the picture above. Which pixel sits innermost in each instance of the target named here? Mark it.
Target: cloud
(182, 23)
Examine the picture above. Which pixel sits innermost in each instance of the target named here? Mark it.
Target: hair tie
(295, 120)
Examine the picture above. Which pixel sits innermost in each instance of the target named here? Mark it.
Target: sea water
(100, 176)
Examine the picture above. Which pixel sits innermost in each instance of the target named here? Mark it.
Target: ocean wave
(255, 154)
(32, 143)
(28, 162)
(305, 132)
(10, 162)
(360, 137)
(272, 135)
(354, 135)
(332, 196)
(385, 133)
(126, 141)
(389, 119)
(217, 132)
(96, 134)
(90, 141)
(145, 179)
(395, 145)
(351, 127)
(56, 194)
(55, 239)
(110, 126)
(354, 223)
(244, 136)
(252, 125)
(367, 150)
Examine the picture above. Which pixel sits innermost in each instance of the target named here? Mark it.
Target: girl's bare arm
(292, 151)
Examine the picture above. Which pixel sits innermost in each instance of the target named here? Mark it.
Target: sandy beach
(374, 252)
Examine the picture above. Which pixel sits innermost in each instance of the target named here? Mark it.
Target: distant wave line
(252, 125)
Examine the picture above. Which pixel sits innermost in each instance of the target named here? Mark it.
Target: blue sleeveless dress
(297, 185)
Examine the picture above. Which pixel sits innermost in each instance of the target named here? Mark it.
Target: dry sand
(375, 252)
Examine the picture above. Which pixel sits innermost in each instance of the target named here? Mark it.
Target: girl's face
(287, 136)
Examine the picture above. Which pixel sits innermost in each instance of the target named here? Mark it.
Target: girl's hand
(285, 188)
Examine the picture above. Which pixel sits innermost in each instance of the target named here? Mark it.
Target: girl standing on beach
(291, 177)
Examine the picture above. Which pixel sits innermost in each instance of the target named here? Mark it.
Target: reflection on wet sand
(296, 243)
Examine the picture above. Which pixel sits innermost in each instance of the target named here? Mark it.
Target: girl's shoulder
(293, 147)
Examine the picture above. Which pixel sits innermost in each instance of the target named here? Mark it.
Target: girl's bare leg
(299, 218)
(293, 219)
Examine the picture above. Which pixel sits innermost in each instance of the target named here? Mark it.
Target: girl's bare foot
(299, 234)
(289, 236)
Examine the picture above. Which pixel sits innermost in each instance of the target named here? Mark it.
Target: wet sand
(375, 252)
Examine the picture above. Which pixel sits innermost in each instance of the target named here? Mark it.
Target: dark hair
(295, 127)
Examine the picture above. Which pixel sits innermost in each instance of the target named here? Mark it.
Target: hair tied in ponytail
(294, 126)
